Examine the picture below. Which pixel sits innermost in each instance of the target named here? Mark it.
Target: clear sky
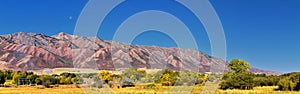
(265, 33)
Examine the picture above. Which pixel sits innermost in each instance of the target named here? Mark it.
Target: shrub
(98, 84)
(47, 84)
(8, 84)
(126, 83)
(150, 86)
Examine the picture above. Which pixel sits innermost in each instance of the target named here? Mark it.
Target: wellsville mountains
(29, 51)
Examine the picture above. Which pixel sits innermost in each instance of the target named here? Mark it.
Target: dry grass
(257, 90)
(40, 90)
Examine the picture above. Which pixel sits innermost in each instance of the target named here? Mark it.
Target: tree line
(240, 78)
(165, 77)
(129, 77)
(29, 78)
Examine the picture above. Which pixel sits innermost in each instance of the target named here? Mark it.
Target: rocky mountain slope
(29, 51)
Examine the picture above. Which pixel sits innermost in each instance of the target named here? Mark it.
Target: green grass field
(136, 90)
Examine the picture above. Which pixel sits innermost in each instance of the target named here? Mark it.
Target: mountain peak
(19, 34)
(63, 36)
(63, 33)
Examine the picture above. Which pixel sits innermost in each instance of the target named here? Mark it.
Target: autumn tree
(105, 76)
(167, 76)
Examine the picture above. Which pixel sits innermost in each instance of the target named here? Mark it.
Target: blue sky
(263, 32)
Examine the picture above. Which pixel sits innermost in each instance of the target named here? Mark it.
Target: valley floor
(135, 90)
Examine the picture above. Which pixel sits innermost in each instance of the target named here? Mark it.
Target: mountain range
(29, 51)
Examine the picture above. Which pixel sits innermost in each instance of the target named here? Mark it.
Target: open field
(136, 90)
(35, 90)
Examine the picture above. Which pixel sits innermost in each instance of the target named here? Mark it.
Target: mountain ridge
(30, 51)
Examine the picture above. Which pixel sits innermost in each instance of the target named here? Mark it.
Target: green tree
(68, 81)
(238, 66)
(32, 78)
(77, 80)
(284, 84)
(290, 81)
(260, 81)
(66, 74)
(134, 75)
(62, 79)
(186, 78)
(46, 80)
(8, 74)
(2, 77)
(239, 77)
(18, 75)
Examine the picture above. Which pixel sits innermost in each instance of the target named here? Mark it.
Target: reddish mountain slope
(28, 51)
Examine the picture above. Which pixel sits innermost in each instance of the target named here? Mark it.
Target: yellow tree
(105, 76)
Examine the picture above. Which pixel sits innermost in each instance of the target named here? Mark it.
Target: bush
(98, 84)
(47, 84)
(150, 86)
(8, 84)
(127, 84)
(200, 81)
